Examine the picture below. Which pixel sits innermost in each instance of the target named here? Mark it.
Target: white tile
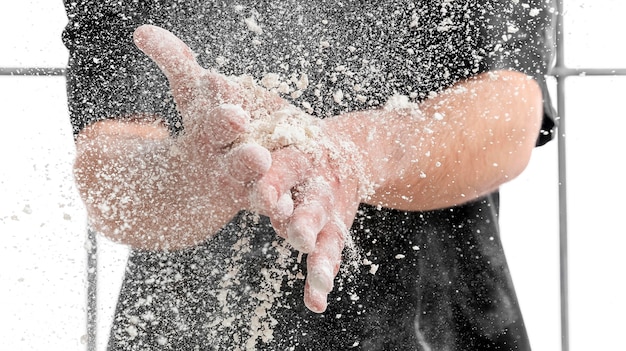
(31, 33)
(596, 123)
(529, 221)
(594, 33)
(42, 222)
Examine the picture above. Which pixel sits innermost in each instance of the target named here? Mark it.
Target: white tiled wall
(597, 204)
(42, 256)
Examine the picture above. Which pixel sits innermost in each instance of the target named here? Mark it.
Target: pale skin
(147, 189)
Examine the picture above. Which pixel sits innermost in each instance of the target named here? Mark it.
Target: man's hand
(212, 108)
(449, 149)
(144, 188)
(312, 200)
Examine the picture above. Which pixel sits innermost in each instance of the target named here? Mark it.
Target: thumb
(171, 54)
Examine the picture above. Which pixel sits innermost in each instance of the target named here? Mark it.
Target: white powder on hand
(288, 126)
(274, 128)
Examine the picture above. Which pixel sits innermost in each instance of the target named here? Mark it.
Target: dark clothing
(434, 280)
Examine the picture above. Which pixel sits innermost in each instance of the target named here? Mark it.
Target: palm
(312, 201)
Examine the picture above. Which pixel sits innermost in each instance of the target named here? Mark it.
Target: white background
(42, 221)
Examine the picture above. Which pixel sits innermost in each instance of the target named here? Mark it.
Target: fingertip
(301, 239)
(257, 157)
(138, 32)
(170, 53)
(142, 35)
(141, 29)
(262, 160)
(266, 201)
(315, 300)
(320, 276)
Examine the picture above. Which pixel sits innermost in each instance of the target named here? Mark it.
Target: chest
(338, 56)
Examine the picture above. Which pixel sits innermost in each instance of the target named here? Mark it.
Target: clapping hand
(310, 192)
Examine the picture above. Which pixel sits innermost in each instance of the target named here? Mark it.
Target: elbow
(520, 138)
(515, 163)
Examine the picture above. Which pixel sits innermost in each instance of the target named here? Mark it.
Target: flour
(401, 103)
(288, 126)
(253, 26)
(245, 321)
(291, 126)
(249, 320)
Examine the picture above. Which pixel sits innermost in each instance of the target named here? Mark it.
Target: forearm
(454, 147)
(140, 189)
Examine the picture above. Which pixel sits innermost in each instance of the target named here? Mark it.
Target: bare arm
(467, 141)
(454, 147)
(144, 189)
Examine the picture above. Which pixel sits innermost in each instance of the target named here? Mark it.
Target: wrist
(350, 155)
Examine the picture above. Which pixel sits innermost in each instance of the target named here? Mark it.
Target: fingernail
(284, 206)
(315, 300)
(298, 240)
